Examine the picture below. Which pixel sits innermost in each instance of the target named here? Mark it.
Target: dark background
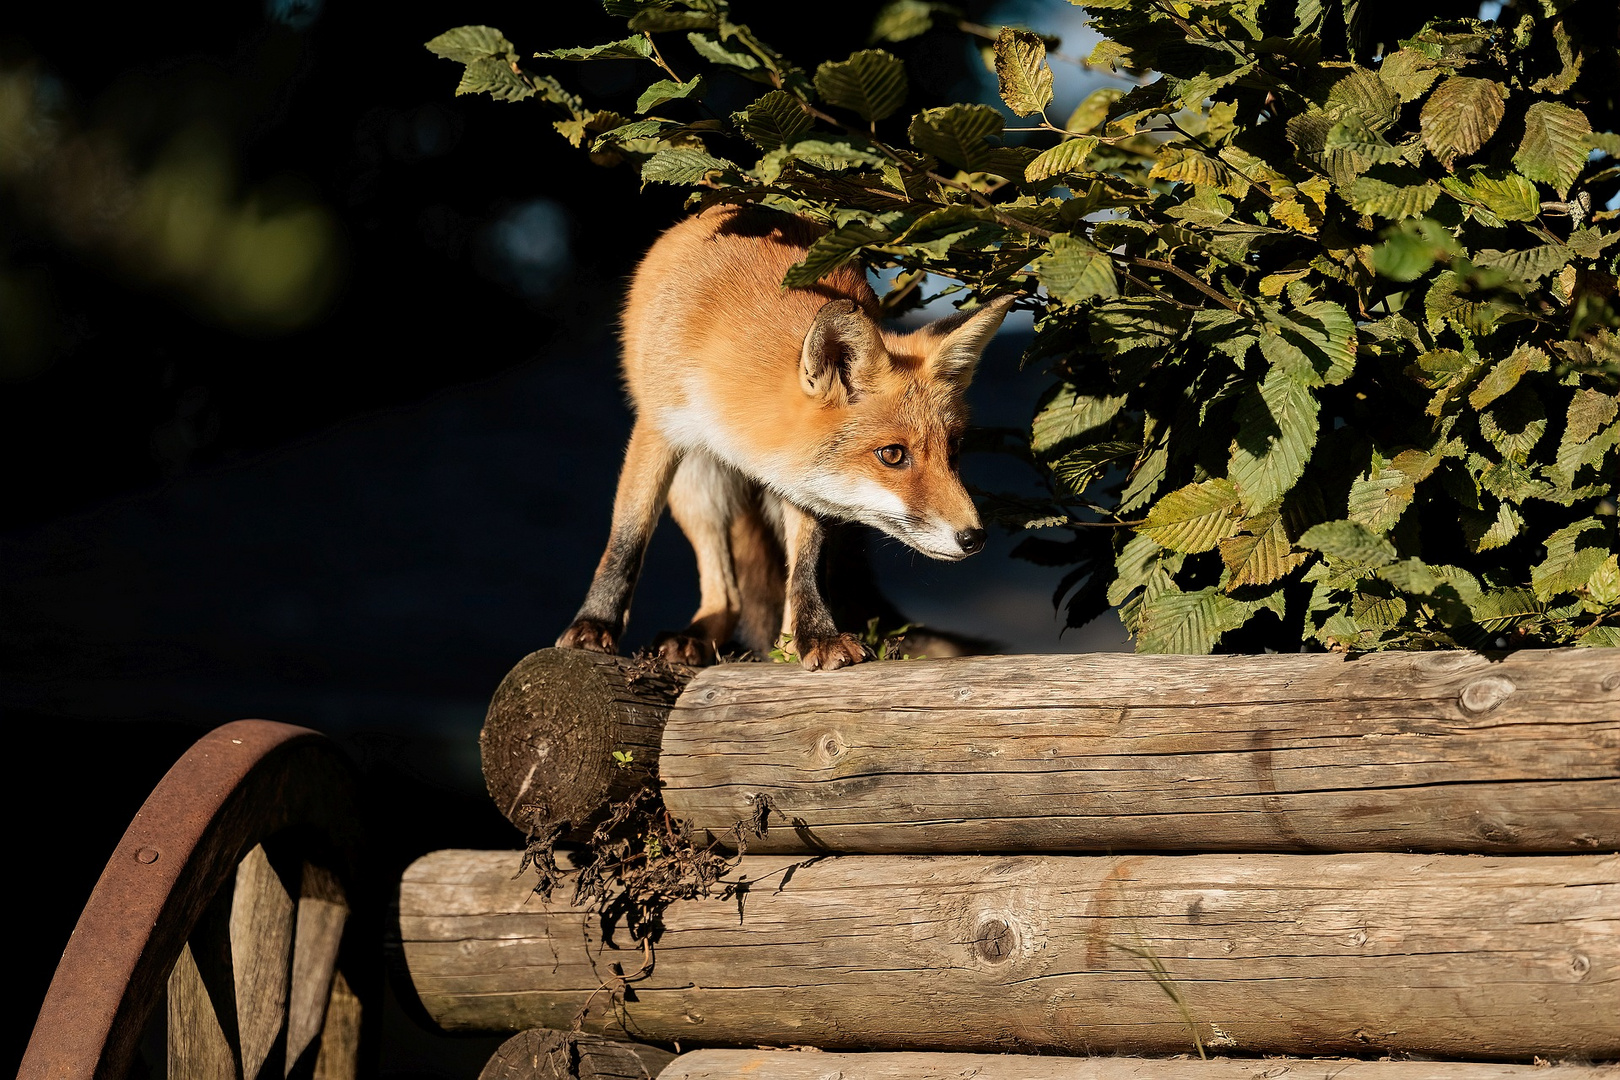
(308, 410)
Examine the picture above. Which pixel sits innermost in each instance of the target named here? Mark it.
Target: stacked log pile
(1408, 854)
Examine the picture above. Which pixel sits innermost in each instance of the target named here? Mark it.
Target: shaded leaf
(1261, 554)
(958, 134)
(1277, 427)
(1574, 554)
(668, 90)
(1067, 415)
(1192, 623)
(681, 166)
(871, 83)
(773, 120)
(1397, 192)
(1073, 269)
(638, 47)
(466, 44)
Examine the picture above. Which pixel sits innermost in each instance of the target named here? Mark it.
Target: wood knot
(964, 693)
(1483, 695)
(1611, 682)
(994, 940)
(829, 747)
(1580, 965)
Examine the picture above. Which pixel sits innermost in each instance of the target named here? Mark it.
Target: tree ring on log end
(569, 732)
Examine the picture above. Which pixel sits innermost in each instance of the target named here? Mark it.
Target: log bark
(552, 729)
(1445, 751)
(790, 1065)
(1484, 957)
(543, 1054)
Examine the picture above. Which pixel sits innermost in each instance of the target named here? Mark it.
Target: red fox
(761, 414)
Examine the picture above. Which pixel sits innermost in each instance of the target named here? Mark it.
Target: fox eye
(893, 455)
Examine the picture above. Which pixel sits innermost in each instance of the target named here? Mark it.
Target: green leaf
(1505, 196)
(1067, 415)
(1601, 637)
(1588, 412)
(1460, 116)
(1189, 622)
(1093, 110)
(1073, 269)
(1485, 532)
(1555, 145)
(1503, 375)
(1021, 69)
(1450, 300)
(904, 19)
(1574, 554)
(495, 78)
(1066, 157)
(710, 48)
(1194, 518)
(638, 47)
(1077, 469)
(958, 134)
(1277, 428)
(1362, 94)
(1409, 73)
(1526, 264)
(1143, 564)
(871, 83)
(1514, 425)
(681, 166)
(467, 44)
(830, 251)
(1496, 610)
(1411, 248)
(1349, 542)
(1352, 136)
(774, 120)
(1315, 343)
(1396, 192)
(1382, 494)
(668, 90)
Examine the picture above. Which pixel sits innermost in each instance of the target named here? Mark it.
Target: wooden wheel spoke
(322, 915)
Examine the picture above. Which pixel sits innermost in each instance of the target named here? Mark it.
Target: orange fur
(762, 408)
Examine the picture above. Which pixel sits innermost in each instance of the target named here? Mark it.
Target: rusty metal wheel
(219, 942)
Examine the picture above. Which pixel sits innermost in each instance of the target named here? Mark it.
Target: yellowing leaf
(1554, 146)
(1021, 68)
(1460, 116)
(1194, 518)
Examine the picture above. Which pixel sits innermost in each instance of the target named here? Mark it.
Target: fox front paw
(685, 649)
(591, 634)
(829, 653)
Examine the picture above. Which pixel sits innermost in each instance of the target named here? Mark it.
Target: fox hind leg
(706, 499)
(649, 466)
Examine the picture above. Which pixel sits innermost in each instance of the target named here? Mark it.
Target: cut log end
(555, 726)
(544, 1054)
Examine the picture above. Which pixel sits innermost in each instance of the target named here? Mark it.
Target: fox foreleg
(807, 625)
(649, 466)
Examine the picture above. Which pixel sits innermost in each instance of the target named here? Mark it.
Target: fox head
(893, 411)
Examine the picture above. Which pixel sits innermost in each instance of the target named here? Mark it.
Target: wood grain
(262, 923)
(1445, 751)
(790, 1065)
(543, 1054)
(322, 913)
(198, 1048)
(1359, 954)
(339, 1055)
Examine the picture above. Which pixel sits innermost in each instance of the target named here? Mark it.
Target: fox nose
(971, 540)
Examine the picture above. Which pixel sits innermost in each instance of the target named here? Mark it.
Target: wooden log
(791, 1065)
(554, 725)
(543, 1054)
(1442, 751)
(1483, 957)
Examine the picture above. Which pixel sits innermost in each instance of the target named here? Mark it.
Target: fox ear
(962, 338)
(838, 347)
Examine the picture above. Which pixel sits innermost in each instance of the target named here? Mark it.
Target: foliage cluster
(1327, 302)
